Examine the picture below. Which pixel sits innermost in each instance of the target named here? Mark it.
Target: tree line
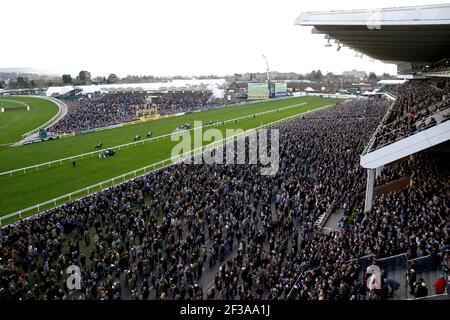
(85, 78)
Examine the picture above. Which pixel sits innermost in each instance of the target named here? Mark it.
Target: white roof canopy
(403, 34)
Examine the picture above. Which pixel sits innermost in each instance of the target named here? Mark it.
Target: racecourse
(34, 187)
(27, 155)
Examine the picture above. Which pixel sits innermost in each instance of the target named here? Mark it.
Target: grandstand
(358, 209)
(417, 40)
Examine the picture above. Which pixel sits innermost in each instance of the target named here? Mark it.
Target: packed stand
(101, 111)
(444, 65)
(420, 104)
(184, 102)
(169, 234)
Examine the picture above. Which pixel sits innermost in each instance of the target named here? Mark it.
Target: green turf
(14, 124)
(28, 189)
(18, 157)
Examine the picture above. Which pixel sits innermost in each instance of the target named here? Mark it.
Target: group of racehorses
(136, 138)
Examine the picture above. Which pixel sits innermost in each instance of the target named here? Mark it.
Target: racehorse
(99, 146)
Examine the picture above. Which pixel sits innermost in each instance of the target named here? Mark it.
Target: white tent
(58, 90)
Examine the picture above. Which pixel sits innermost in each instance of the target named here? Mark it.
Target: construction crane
(267, 71)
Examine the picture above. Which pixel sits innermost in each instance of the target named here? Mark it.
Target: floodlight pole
(267, 71)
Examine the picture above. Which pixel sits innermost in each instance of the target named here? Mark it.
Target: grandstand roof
(396, 35)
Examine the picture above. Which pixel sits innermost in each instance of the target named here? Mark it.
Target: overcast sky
(174, 37)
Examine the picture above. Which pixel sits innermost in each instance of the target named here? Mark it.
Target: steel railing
(369, 145)
(408, 130)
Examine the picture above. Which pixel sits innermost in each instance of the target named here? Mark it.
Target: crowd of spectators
(444, 65)
(183, 102)
(415, 109)
(173, 233)
(100, 110)
(103, 110)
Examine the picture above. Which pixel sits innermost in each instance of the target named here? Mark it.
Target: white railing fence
(14, 101)
(45, 125)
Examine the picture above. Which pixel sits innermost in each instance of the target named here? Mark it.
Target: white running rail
(14, 101)
(49, 122)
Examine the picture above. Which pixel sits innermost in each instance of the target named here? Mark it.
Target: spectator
(421, 289)
(439, 285)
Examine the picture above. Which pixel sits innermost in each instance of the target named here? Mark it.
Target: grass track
(15, 123)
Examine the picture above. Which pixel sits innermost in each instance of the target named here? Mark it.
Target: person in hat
(421, 289)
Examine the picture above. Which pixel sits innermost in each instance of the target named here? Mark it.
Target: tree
(84, 77)
(319, 76)
(311, 76)
(99, 80)
(67, 78)
(112, 78)
(315, 76)
(237, 76)
(330, 77)
(21, 82)
(372, 77)
(2, 84)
